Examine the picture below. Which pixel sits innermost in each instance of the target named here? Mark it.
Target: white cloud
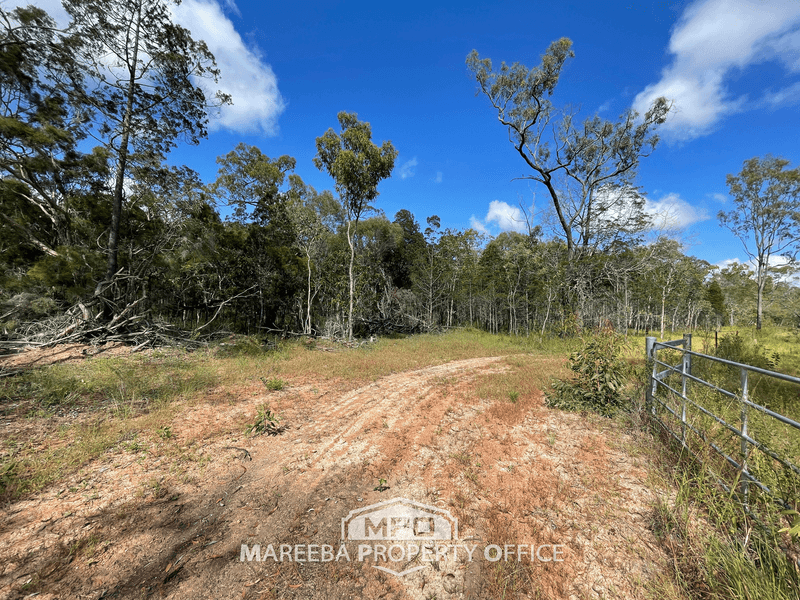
(774, 262)
(231, 6)
(712, 38)
(407, 169)
(604, 106)
(783, 97)
(724, 264)
(257, 103)
(721, 198)
(438, 178)
(477, 225)
(787, 47)
(504, 216)
(671, 212)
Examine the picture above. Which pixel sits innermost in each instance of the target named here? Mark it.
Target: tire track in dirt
(384, 401)
(306, 504)
(515, 470)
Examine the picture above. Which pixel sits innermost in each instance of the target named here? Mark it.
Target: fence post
(744, 483)
(649, 350)
(687, 344)
(684, 371)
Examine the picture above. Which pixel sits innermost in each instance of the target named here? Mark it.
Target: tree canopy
(767, 215)
(88, 115)
(590, 167)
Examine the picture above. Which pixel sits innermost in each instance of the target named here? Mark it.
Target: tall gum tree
(305, 207)
(142, 97)
(767, 215)
(357, 165)
(589, 168)
(40, 128)
(249, 181)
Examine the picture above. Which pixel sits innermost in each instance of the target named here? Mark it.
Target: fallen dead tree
(78, 325)
(106, 318)
(384, 326)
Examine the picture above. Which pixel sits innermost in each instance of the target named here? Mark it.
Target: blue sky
(731, 68)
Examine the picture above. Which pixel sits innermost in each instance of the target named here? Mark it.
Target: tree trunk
(547, 314)
(760, 301)
(307, 325)
(116, 206)
(352, 283)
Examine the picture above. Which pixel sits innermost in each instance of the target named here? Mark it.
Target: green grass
(779, 396)
(715, 550)
(274, 384)
(113, 382)
(128, 402)
(388, 356)
(785, 342)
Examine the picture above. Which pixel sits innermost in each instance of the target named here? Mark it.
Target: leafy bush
(29, 307)
(738, 349)
(273, 384)
(600, 375)
(266, 422)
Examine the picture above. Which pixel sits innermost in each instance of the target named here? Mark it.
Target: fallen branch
(221, 306)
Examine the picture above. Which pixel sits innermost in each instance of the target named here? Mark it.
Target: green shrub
(273, 384)
(600, 375)
(266, 422)
(736, 348)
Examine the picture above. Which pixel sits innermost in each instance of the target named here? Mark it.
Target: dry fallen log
(74, 327)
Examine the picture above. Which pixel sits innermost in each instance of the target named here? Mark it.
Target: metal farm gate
(751, 450)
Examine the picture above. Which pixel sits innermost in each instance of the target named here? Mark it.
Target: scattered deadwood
(407, 325)
(78, 325)
(130, 324)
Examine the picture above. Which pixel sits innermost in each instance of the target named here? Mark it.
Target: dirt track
(171, 525)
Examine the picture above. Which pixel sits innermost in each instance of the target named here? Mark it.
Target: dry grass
(389, 356)
(79, 411)
(515, 392)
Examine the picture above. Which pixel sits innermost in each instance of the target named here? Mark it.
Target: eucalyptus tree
(766, 217)
(590, 167)
(143, 95)
(43, 172)
(410, 251)
(740, 289)
(357, 165)
(306, 211)
(248, 180)
(661, 276)
(430, 270)
(715, 298)
(458, 250)
(516, 257)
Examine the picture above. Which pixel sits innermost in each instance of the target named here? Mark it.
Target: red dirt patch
(169, 519)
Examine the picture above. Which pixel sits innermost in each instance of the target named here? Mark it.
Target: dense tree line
(91, 214)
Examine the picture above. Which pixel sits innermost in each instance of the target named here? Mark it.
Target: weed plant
(716, 549)
(266, 422)
(600, 376)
